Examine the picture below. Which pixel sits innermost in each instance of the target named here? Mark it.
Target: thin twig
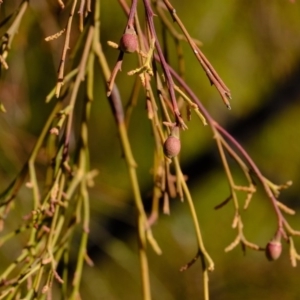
(209, 70)
(169, 79)
(66, 47)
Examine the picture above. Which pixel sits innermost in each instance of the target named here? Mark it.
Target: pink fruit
(273, 250)
(172, 146)
(129, 41)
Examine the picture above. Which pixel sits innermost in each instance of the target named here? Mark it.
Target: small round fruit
(273, 250)
(172, 146)
(129, 41)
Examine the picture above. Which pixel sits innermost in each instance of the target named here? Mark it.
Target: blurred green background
(255, 47)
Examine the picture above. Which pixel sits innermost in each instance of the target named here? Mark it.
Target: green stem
(202, 251)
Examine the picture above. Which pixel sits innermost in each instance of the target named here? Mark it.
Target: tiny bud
(273, 250)
(129, 41)
(54, 131)
(172, 146)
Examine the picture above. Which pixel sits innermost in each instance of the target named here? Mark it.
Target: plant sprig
(61, 204)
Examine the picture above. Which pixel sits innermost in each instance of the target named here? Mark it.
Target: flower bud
(172, 144)
(273, 250)
(129, 41)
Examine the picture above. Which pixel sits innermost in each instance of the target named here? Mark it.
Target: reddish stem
(132, 12)
(237, 145)
(169, 79)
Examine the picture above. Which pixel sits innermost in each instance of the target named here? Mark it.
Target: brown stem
(61, 67)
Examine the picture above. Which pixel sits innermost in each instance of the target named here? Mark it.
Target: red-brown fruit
(172, 146)
(273, 250)
(129, 41)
